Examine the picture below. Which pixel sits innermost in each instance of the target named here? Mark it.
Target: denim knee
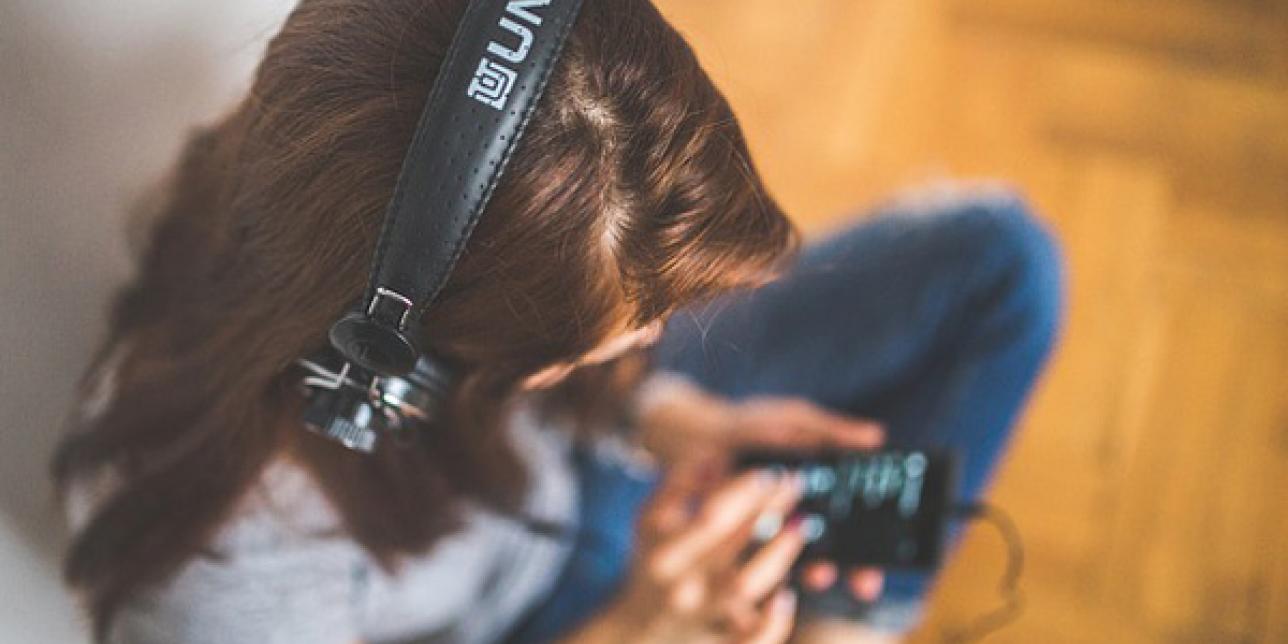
(995, 234)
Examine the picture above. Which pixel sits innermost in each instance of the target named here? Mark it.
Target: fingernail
(867, 586)
(769, 477)
(794, 523)
(767, 526)
(819, 576)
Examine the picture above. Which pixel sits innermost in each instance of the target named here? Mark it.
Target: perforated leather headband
(493, 75)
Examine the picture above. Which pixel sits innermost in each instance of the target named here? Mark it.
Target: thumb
(847, 431)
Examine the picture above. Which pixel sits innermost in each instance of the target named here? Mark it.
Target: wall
(94, 99)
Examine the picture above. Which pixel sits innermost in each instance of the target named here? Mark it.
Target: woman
(205, 513)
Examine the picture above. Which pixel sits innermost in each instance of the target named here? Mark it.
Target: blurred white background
(95, 99)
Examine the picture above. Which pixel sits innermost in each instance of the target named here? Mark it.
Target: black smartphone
(886, 509)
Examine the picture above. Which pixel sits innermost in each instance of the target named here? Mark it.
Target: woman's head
(632, 193)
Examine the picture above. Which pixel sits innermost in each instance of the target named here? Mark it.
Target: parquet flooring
(1150, 478)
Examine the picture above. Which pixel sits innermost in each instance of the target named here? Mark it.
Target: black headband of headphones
(487, 88)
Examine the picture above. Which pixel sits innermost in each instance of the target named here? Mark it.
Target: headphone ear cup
(373, 345)
(418, 398)
(437, 378)
(342, 415)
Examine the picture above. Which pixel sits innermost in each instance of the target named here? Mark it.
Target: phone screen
(887, 509)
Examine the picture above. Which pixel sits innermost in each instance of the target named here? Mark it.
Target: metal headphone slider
(401, 308)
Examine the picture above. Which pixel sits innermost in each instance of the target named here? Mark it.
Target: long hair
(631, 194)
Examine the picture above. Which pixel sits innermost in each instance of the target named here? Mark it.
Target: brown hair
(632, 193)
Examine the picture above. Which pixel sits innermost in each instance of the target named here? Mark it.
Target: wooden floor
(1151, 476)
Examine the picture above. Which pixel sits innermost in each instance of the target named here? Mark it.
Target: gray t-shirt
(287, 575)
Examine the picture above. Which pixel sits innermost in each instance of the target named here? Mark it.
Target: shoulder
(284, 506)
(280, 569)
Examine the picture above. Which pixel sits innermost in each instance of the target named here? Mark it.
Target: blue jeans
(933, 319)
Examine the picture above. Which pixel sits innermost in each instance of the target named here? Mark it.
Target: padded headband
(495, 72)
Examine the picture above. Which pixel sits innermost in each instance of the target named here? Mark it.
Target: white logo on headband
(493, 79)
(492, 84)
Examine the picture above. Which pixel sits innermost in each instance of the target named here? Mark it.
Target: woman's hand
(679, 421)
(693, 580)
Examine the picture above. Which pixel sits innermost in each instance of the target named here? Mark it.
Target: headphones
(374, 378)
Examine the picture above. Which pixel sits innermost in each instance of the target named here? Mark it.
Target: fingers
(728, 509)
(746, 583)
(768, 568)
(776, 625)
(671, 505)
(818, 576)
(765, 523)
(795, 423)
(866, 583)
(835, 430)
